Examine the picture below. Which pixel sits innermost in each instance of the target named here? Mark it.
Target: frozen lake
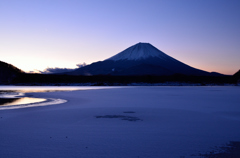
(152, 122)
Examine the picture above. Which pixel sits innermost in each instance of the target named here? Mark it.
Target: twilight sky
(36, 34)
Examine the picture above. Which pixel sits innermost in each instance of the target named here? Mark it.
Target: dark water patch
(129, 112)
(4, 101)
(122, 117)
(230, 150)
(19, 101)
(215, 90)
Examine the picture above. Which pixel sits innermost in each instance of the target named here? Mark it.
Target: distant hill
(8, 72)
(237, 74)
(138, 60)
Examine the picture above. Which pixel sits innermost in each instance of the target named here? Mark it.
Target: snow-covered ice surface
(173, 122)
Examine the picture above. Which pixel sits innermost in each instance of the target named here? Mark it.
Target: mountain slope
(139, 59)
(237, 74)
(8, 72)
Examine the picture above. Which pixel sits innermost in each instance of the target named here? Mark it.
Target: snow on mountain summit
(139, 51)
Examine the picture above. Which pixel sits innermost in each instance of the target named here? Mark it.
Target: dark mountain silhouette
(141, 63)
(8, 72)
(237, 75)
(137, 60)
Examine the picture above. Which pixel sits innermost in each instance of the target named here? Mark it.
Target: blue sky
(36, 34)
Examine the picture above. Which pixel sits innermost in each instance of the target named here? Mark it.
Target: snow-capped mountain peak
(138, 60)
(139, 51)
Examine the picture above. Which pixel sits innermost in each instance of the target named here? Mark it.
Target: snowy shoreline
(20, 96)
(124, 122)
(16, 99)
(124, 84)
(48, 101)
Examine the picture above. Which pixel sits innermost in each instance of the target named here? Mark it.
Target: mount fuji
(137, 60)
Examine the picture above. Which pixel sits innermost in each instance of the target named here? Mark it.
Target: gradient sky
(36, 34)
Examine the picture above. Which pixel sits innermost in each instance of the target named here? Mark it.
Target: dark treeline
(100, 79)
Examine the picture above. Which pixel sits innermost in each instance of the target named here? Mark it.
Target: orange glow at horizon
(24, 100)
